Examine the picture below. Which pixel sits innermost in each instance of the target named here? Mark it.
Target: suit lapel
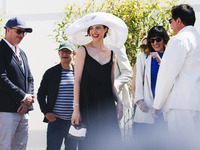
(12, 54)
(17, 63)
(24, 62)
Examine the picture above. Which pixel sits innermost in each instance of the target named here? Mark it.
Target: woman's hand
(143, 106)
(119, 110)
(156, 56)
(76, 117)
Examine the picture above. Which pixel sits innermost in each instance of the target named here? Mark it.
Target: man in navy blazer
(16, 87)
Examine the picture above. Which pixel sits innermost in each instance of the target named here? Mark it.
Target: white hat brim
(117, 33)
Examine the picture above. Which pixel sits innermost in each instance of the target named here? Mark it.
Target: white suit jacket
(143, 88)
(178, 81)
(123, 74)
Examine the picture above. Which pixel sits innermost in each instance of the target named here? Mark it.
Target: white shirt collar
(185, 28)
(12, 47)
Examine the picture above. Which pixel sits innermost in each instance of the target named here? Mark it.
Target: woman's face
(144, 44)
(97, 32)
(157, 44)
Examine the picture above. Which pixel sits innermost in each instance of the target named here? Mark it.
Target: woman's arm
(133, 80)
(78, 69)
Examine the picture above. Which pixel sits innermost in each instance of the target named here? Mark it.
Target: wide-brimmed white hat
(116, 36)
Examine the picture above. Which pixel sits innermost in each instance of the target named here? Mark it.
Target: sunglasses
(19, 31)
(142, 46)
(157, 40)
(170, 20)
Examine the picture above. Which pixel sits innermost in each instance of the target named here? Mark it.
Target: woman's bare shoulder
(81, 49)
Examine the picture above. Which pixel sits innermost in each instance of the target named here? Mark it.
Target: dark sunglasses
(19, 31)
(170, 20)
(142, 46)
(157, 40)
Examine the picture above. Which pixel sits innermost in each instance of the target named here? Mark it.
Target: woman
(145, 127)
(94, 91)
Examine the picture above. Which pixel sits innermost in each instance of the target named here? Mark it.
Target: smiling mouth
(156, 46)
(95, 36)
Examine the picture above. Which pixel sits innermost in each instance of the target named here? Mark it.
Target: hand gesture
(156, 56)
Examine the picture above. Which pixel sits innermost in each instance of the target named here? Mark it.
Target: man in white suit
(178, 82)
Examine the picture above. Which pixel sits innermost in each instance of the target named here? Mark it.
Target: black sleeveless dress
(97, 106)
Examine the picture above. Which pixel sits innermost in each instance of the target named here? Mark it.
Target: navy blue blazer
(14, 82)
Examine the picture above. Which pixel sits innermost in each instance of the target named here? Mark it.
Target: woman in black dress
(95, 94)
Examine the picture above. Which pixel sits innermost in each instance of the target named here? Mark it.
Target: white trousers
(13, 131)
(184, 127)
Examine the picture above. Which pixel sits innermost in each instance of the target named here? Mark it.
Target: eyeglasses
(19, 31)
(66, 52)
(170, 20)
(142, 46)
(157, 40)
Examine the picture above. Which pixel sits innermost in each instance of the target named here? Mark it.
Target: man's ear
(179, 20)
(180, 23)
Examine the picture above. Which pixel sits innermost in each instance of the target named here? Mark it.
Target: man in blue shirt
(55, 97)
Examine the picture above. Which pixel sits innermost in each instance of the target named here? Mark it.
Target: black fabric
(48, 90)
(97, 105)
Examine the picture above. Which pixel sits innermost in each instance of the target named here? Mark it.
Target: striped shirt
(64, 103)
